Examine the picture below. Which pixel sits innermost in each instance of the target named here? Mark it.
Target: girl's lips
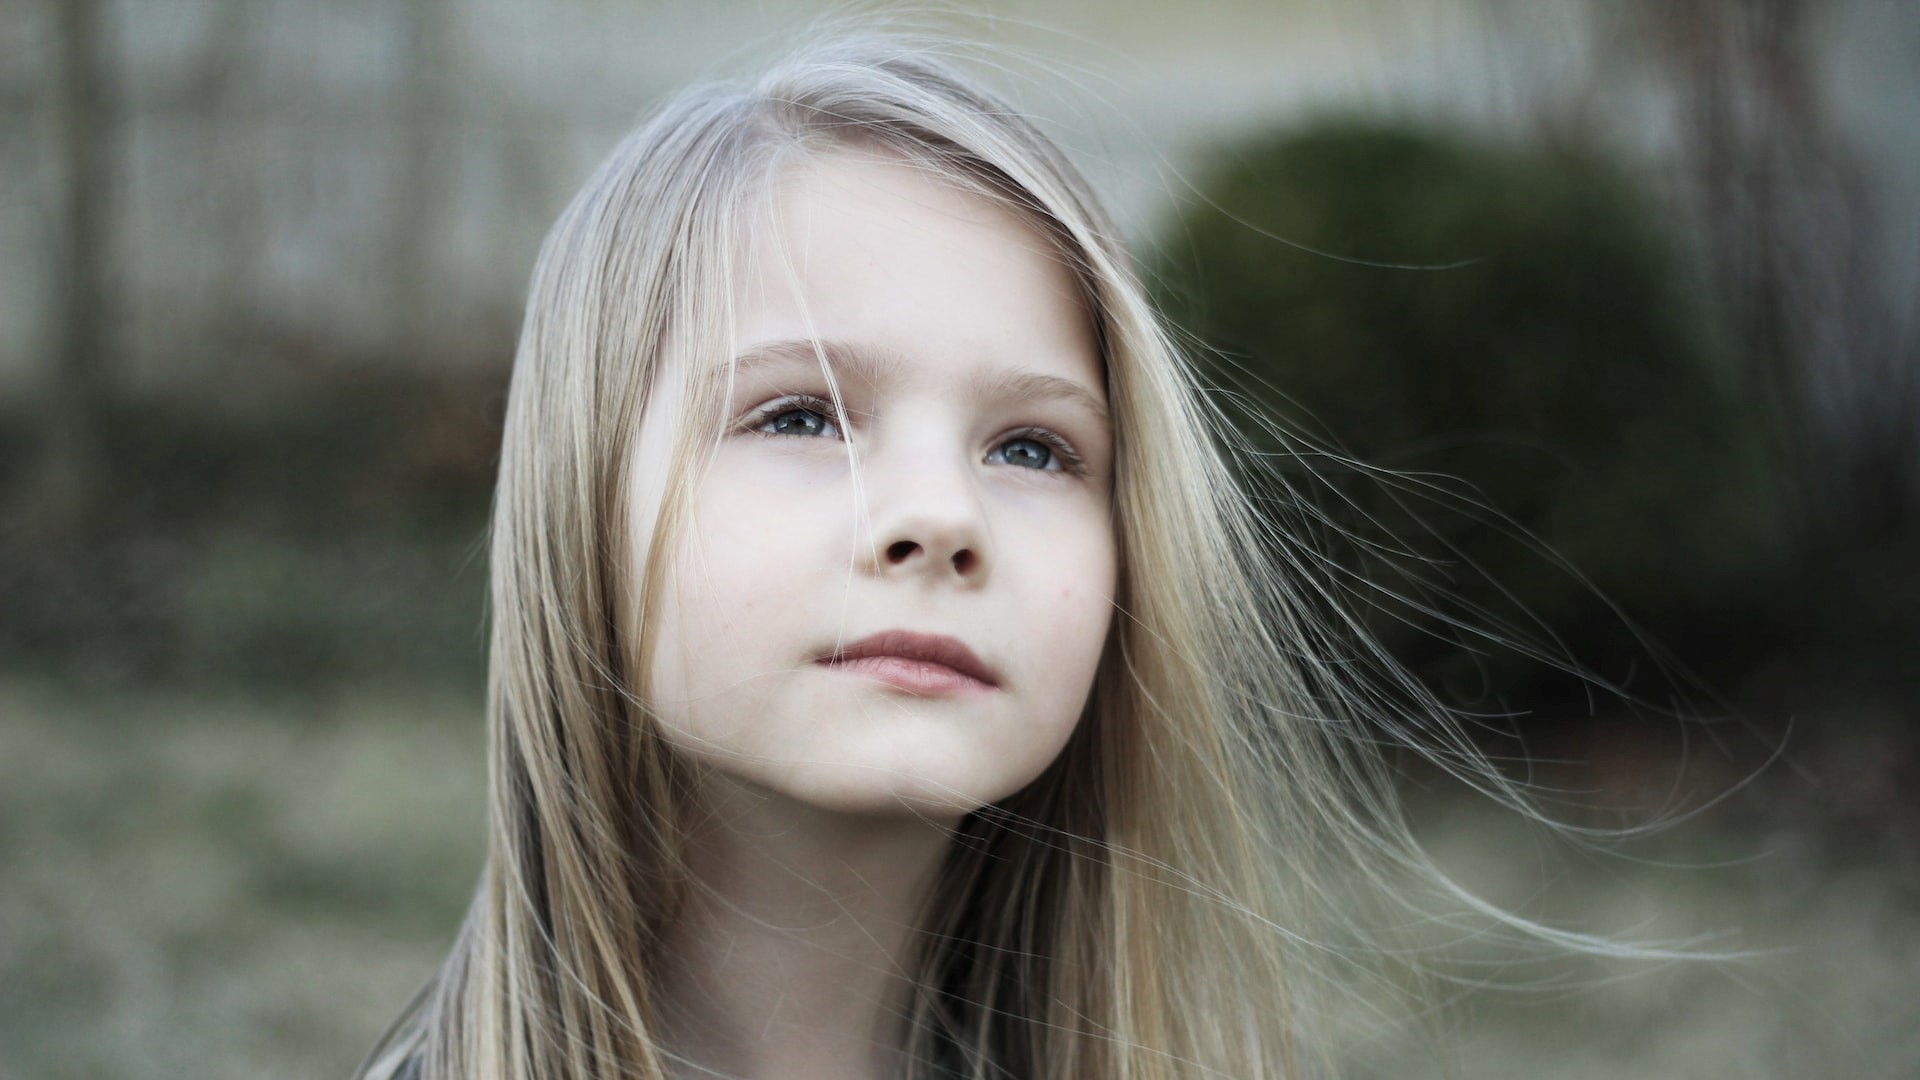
(920, 677)
(926, 664)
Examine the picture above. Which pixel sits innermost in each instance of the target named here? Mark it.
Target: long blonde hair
(1174, 897)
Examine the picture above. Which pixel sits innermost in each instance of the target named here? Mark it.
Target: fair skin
(881, 617)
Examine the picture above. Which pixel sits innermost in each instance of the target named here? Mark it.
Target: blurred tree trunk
(1793, 240)
(422, 185)
(75, 473)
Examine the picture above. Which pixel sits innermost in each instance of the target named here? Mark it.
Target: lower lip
(920, 677)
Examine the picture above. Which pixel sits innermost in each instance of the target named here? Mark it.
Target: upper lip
(932, 648)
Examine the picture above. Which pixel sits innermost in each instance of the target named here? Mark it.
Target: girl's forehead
(874, 247)
(815, 203)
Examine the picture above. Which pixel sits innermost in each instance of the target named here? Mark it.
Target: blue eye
(802, 420)
(1027, 453)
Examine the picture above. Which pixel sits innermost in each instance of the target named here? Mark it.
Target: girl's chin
(927, 759)
(858, 796)
(938, 795)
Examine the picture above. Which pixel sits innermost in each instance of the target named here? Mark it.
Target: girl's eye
(1035, 450)
(1029, 453)
(806, 419)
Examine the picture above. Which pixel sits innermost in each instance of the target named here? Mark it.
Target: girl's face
(899, 605)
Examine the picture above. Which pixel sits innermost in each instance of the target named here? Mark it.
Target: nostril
(901, 551)
(963, 560)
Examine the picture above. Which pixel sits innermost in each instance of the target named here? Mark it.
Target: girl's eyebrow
(1035, 386)
(871, 366)
(863, 364)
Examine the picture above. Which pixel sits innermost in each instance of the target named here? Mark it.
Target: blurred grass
(1828, 986)
(224, 885)
(233, 884)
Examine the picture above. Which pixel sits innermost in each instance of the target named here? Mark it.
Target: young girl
(888, 679)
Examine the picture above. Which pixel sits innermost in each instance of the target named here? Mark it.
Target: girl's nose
(908, 554)
(928, 522)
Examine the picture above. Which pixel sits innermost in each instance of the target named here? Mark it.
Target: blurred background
(1589, 331)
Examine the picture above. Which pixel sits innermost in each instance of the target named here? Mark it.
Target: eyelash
(765, 414)
(1070, 462)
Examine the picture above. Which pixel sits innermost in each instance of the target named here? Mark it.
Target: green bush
(1506, 332)
(337, 535)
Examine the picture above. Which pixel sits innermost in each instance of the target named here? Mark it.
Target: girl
(887, 676)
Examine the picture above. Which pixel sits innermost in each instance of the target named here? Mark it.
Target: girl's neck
(788, 961)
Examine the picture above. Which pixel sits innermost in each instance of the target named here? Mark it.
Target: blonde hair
(1176, 896)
